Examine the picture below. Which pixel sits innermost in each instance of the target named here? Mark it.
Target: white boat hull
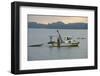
(65, 45)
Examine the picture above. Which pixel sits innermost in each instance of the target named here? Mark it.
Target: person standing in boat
(59, 36)
(59, 39)
(58, 42)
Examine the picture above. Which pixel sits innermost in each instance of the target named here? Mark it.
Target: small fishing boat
(59, 42)
(66, 42)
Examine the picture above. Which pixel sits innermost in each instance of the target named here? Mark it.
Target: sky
(47, 19)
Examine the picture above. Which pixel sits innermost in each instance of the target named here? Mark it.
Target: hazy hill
(58, 25)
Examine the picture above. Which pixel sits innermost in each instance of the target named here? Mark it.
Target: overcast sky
(45, 19)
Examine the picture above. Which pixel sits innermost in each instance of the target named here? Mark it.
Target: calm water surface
(38, 36)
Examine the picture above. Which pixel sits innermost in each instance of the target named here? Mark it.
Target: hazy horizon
(48, 19)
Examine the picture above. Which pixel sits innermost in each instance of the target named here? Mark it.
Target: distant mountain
(58, 25)
(35, 25)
